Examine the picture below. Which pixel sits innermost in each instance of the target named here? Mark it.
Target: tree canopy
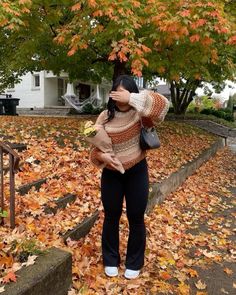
(184, 42)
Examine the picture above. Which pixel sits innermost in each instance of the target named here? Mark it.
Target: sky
(230, 89)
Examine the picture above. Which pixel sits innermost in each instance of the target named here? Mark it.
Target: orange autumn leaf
(72, 51)
(183, 289)
(198, 23)
(122, 56)
(97, 13)
(228, 271)
(197, 76)
(60, 39)
(7, 260)
(207, 41)
(92, 3)
(232, 40)
(165, 275)
(194, 38)
(145, 48)
(112, 56)
(192, 272)
(185, 13)
(76, 7)
(10, 277)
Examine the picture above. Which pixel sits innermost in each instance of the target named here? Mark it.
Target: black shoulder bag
(148, 137)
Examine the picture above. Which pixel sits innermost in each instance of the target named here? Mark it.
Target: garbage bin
(8, 106)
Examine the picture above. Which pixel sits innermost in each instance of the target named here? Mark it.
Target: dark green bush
(90, 109)
(87, 109)
(223, 113)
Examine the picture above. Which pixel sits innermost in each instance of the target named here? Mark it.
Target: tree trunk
(181, 96)
(119, 69)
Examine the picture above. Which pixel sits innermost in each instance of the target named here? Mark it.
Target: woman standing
(122, 123)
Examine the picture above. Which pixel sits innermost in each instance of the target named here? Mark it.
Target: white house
(43, 89)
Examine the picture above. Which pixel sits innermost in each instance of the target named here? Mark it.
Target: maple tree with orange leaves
(184, 42)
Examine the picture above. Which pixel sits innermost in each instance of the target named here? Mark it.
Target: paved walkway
(219, 277)
(210, 219)
(231, 142)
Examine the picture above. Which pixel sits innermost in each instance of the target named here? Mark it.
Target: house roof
(163, 89)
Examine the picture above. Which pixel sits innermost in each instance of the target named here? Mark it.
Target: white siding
(50, 92)
(29, 95)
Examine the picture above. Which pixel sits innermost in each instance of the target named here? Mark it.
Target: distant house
(44, 89)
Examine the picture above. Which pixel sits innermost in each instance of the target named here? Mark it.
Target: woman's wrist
(100, 156)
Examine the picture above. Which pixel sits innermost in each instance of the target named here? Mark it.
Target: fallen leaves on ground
(182, 234)
(54, 151)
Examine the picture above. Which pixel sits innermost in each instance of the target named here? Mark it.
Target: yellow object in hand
(89, 129)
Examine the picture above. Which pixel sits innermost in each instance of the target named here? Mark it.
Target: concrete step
(18, 146)
(60, 203)
(50, 275)
(82, 229)
(63, 111)
(24, 189)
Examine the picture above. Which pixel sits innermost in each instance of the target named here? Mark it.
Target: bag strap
(141, 121)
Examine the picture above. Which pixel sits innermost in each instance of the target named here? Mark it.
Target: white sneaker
(111, 271)
(131, 274)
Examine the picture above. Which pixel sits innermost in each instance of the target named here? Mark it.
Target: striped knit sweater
(124, 128)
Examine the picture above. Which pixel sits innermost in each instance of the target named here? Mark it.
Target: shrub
(200, 103)
(207, 102)
(223, 113)
(203, 103)
(191, 107)
(90, 109)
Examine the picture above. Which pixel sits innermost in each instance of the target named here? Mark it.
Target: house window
(36, 81)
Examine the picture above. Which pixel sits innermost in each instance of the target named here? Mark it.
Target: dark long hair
(129, 84)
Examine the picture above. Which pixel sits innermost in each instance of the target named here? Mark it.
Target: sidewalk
(202, 232)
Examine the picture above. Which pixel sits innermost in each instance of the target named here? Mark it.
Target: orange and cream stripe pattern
(150, 104)
(124, 128)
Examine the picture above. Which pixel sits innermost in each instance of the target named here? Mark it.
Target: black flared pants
(133, 185)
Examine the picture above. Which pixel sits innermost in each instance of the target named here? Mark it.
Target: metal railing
(14, 160)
